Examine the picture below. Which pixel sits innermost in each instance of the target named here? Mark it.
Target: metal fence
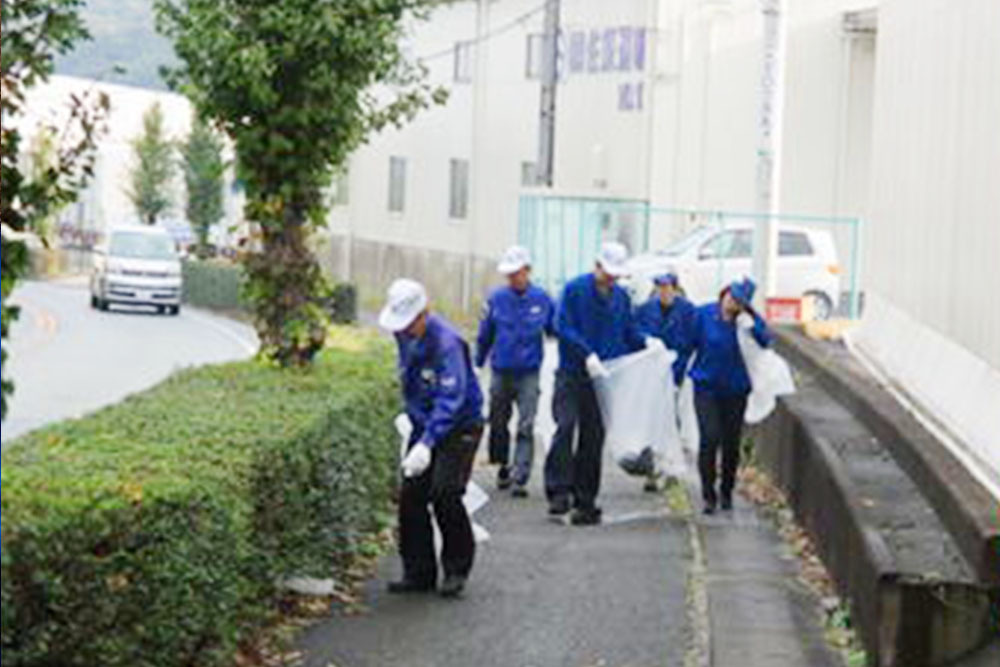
(818, 256)
(565, 233)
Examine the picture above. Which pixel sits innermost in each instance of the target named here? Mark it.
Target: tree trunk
(286, 288)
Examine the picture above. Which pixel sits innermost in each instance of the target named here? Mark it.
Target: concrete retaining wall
(373, 265)
(910, 555)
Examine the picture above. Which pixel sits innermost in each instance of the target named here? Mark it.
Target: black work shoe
(727, 503)
(651, 486)
(586, 517)
(406, 586)
(559, 507)
(520, 491)
(453, 586)
(709, 509)
(504, 480)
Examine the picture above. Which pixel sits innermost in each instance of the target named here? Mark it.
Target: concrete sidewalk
(647, 588)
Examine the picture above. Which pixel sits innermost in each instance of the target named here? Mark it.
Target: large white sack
(770, 377)
(475, 497)
(638, 405)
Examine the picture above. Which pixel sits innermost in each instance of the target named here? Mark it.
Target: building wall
(707, 109)
(674, 124)
(934, 236)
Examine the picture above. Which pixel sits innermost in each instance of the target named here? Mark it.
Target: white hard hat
(515, 259)
(612, 259)
(405, 300)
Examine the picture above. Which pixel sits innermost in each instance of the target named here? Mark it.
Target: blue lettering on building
(620, 50)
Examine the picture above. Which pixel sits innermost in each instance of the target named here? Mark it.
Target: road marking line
(249, 347)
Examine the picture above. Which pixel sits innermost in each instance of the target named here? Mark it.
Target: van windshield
(136, 245)
(687, 242)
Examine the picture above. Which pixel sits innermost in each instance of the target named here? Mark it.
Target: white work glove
(417, 461)
(595, 368)
(745, 321)
(654, 343)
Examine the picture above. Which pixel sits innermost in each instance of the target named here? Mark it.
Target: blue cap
(743, 290)
(669, 278)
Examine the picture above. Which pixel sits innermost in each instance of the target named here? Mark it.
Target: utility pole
(770, 145)
(476, 168)
(550, 79)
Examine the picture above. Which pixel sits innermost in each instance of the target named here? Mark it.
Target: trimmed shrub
(213, 284)
(153, 533)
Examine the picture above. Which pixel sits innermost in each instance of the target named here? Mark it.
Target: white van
(711, 257)
(137, 266)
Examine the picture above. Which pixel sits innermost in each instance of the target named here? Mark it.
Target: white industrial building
(105, 201)
(932, 322)
(657, 104)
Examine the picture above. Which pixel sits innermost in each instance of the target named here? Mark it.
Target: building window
(529, 174)
(459, 207)
(463, 62)
(397, 184)
(534, 60)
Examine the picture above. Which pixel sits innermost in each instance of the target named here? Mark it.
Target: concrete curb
(906, 616)
(969, 511)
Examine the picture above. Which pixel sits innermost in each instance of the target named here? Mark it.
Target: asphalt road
(68, 360)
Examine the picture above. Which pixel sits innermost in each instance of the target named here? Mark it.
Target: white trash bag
(638, 405)
(687, 417)
(770, 377)
(475, 497)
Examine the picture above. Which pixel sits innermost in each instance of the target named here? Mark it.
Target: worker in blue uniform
(444, 405)
(722, 386)
(594, 324)
(668, 316)
(516, 318)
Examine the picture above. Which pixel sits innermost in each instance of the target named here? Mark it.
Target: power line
(496, 32)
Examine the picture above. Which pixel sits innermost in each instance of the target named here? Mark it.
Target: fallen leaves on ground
(758, 488)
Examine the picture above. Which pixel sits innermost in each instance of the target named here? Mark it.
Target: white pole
(550, 81)
(476, 168)
(770, 145)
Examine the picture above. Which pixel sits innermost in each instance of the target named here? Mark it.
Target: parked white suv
(137, 266)
(711, 257)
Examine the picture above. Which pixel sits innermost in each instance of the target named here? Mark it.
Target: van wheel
(174, 310)
(94, 303)
(822, 306)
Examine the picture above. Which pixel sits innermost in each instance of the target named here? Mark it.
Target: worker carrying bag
(638, 405)
(769, 374)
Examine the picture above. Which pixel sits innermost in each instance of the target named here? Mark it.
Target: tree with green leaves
(204, 169)
(34, 32)
(297, 85)
(154, 170)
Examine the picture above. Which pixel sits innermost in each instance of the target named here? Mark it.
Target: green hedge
(153, 532)
(213, 284)
(217, 285)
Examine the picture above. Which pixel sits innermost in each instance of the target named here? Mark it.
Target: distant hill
(124, 35)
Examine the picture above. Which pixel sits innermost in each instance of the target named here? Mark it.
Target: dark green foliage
(152, 533)
(343, 304)
(34, 31)
(154, 168)
(292, 84)
(203, 175)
